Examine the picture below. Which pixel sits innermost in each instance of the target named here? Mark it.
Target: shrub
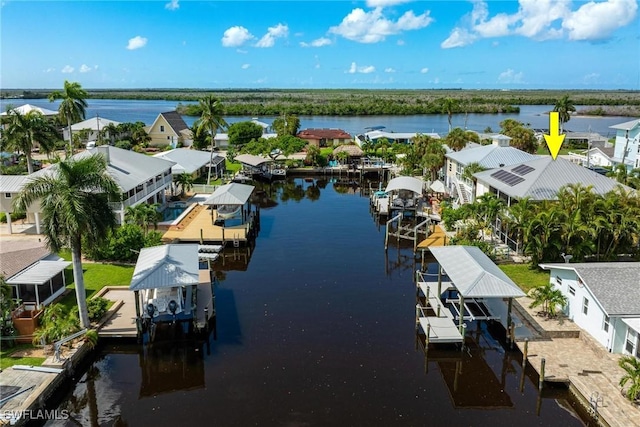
(124, 144)
(91, 338)
(97, 307)
(56, 324)
(123, 244)
(14, 216)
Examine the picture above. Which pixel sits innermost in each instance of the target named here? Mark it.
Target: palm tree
(184, 182)
(469, 170)
(143, 215)
(72, 108)
(313, 152)
(449, 106)
(564, 107)
(74, 198)
(24, 131)
(631, 366)
(211, 120)
(457, 139)
(549, 298)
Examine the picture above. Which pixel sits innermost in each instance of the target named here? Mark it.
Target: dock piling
(541, 379)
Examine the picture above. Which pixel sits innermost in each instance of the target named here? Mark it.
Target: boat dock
(434, 318)
(121, 322)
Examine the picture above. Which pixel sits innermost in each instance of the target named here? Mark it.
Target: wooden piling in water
(541, 379)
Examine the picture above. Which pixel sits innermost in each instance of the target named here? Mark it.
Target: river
(147, 111)
(316, 328)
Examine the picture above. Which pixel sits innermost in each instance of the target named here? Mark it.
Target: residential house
(92, 126)
(376, 134)
(141, 178)
(596, 156)
(540, 179)
(603, 299)
(27, 108)
(169, 129)
(495, 155)
(325, 137)
(193, 162)
(627, 144)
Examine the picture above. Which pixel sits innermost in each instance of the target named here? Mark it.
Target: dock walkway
(592, 372)
(122, 322)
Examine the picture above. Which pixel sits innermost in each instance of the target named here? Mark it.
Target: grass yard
(19, 355)
(544, 150)
(525, 277)
(96, 277)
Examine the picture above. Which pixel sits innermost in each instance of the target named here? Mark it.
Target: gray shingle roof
(491, 156)
(616, 285)
(13, 262)
(175, 120)
(547, 178)
(186, 160)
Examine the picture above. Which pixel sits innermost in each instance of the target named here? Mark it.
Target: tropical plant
(549, 298)
(91, 338)
(74, 199)
(243, 132)
(286, 124)
(72, 108)
(144, 215)
(564, 107)
(457, 139)
(631, 366)
(56, 324)
(184, 182)
(7, 305)
(97, 307)
(522, 137)
(448, 107)
(24, 132)
(210, 121)
(313, 154)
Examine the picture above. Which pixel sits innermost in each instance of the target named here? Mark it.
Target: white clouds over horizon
(245, 66)
(273, 33)
(374, 27)
(389, 70)
(137, 42)
(86, 68)
(367, 69)
(424, 70)
(543, 20)
(322, 41)
(236, 36)
(385, 3)
(68, 69)
(510, 76)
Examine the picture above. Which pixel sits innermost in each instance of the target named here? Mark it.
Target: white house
(497, 154)
(627, 145)
(141, 178)
(596, 156)
(193, 162)
(604, 300)
(376, 135)
(93, 125)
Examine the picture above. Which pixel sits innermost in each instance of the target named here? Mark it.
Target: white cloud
(172, 5)
(510, 76)
(273, 33)
(374, 27)
(459, 37)
(67, 69)
(49, 70)
(242, 51)
(591, 78)
(389, 70)
(544, 19)
(137, 42)
(367, 69)
(322, 41)
(594, 21)
(424, 70)
(236, 36)
(85, 68)
(385, 3)
(245, 66)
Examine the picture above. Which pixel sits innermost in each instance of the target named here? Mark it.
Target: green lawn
(96, 277)
(232, 167)
(525, 277)
(544, 150)
(6, 360)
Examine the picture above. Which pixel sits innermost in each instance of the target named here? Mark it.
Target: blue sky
(374, 44)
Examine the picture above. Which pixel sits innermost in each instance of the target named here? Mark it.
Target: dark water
(146, 111)
(319, 330)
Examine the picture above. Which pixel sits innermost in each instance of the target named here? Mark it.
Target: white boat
(278, 173)
(227, 211)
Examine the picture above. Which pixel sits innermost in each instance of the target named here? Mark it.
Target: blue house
(627, 145)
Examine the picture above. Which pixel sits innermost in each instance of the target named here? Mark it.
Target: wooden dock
(200, 227)
(122, 321)
(434, 318)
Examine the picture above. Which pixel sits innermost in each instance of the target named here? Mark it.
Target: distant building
(169, 129)
(193, 162)
(325, 137)
(94, 126)
(627, 145)
(376, 135)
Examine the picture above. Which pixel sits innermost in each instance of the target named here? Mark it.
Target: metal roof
(166, 266)
(377, 134)
(27, 108)
(546, 179)
(230, 194)
(405, 183)
(627, 125)
(94, 123)
(474, 274)
(12, 183)
(616, 285)
(186, 160)
(251, 160)
(491, 156)
(38, 273)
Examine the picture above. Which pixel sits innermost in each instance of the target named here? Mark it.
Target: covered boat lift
(479, 286)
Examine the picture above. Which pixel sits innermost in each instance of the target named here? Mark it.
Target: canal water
(315, 327)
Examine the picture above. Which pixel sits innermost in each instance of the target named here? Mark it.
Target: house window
(7, 195)
(558, 280)
(585, 306)
(450, 166)
(572, 290)
(161, 128)
(630, 345)
(605, 323)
